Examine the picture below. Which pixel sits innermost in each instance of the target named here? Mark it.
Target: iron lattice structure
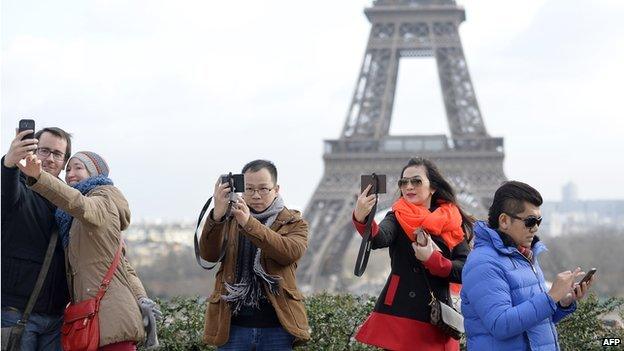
(470, 159)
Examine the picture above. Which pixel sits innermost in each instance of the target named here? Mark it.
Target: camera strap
(224, 241)
(367, 238)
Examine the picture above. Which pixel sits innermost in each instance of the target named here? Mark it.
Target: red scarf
(444, 222)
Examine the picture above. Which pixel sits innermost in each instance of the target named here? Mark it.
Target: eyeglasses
(261, 191)
(415, 181)
(529, 221)
(56, 155)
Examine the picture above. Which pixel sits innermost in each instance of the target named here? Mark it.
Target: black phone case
(368, 179)
(26, 124)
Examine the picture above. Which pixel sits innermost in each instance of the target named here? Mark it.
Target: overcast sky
(174, 93)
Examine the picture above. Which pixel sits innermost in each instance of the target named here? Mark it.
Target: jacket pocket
(296, 308)
(392, 288)
(213, 314)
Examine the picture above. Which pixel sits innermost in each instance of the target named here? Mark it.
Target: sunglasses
(529, 221)
(415, 181)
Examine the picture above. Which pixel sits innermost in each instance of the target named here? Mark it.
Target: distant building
(571, 215)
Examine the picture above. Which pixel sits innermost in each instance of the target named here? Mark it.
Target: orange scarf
(444, 222)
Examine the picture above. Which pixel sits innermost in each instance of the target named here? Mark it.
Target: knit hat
(93, 162)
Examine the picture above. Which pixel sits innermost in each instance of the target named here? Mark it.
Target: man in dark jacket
(27, 226)
(505, 302)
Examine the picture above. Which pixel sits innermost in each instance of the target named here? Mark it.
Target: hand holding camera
(225, 193)
(240, 210)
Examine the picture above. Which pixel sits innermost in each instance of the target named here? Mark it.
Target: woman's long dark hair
(443, 191)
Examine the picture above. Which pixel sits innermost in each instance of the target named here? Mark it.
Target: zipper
(550, 324)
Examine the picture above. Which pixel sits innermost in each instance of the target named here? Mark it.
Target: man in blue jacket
(505, 303)
(27, 225)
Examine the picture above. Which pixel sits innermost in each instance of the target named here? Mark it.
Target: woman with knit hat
(91, 215)
(425, 234)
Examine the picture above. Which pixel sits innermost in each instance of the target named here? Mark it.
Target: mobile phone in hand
(368, 179)
(27, 124)
(588, 276)
(421, 237)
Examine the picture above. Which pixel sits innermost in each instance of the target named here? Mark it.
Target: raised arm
(383, 233)
(92, 209)
(211, 238)
(11, 187)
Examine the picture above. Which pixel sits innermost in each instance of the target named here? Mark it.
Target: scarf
(508, 241)
(247, 291)
(444, 222)
(63, 219)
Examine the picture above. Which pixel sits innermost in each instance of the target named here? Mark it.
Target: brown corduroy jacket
(282, 246)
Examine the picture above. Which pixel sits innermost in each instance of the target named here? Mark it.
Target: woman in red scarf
(427, 209)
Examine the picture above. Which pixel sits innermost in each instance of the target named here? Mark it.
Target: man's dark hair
(510, 198)
(256, 165)
(59, 133)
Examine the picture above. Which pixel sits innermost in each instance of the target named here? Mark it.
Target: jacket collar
(286, 216)
(486, 236)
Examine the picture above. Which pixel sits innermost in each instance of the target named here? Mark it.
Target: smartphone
(238, 180)
(27, 124)
(588, 276)
(421, 238)
(378, 187)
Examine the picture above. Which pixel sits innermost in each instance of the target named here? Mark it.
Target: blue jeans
(42, 332)
(258, 339)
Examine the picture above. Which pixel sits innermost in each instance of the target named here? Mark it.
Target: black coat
(409, 296)
(27, 224)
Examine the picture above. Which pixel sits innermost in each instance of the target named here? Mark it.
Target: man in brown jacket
(255, 302)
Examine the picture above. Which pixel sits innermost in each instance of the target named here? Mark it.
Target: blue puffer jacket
(504, 299)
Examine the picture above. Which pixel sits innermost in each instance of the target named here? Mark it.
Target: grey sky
(172, 94)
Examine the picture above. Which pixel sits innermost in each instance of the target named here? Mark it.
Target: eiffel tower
(470, 159)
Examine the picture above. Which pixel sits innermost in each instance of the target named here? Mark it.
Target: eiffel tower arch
(469, 158)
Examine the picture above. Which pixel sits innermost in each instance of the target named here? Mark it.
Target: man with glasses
(27, 225)
(255, 303)
(505, 302)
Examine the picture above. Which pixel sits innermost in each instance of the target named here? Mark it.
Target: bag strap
(40, 278)
(224, 241)
(367, 238)
(111, 271)
(422, 269)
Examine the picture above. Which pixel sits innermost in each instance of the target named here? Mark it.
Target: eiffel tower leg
(372, 102)
(460, 101)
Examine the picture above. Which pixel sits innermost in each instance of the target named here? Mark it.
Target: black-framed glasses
(415, 181)
(45, 153)
(261, 191)
(529, 221)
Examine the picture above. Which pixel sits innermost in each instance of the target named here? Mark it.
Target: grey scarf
(247, 291)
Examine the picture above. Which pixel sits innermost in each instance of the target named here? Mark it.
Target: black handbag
(12, 336)
(443, 316)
